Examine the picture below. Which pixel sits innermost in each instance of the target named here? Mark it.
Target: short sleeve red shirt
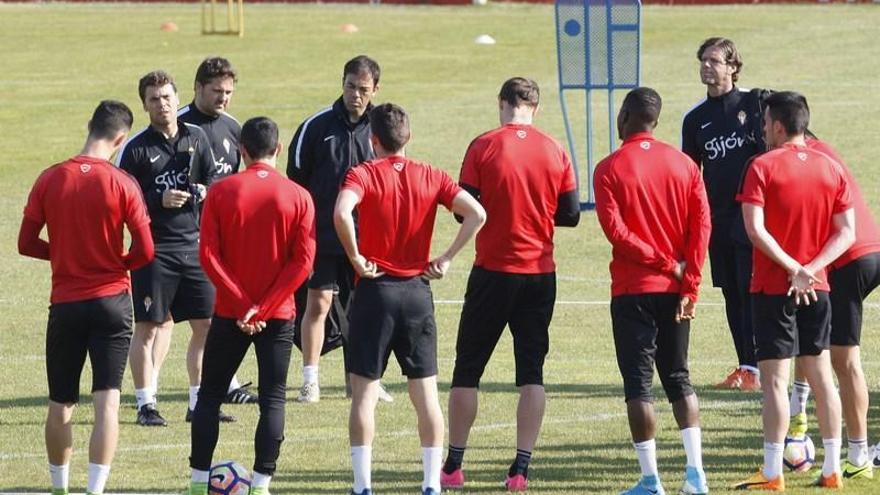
(867, 232)
(800, 190)
(85, 202)
(399, 199)
(520, 173)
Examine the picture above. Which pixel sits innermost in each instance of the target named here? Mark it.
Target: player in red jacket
(852, 277)
(84, 203)
(257, 247)
(797, 209)
(393, 309)
(651, 203)
(526, 183)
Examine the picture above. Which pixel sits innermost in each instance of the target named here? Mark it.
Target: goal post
(234, 17)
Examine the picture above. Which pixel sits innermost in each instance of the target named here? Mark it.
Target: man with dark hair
(797, 208)
(393, 310)
(213, 87)
(721, 133)
(324, 148)
(255, 283)
(651, 203)
(513, 280)
(173, 163)
(214, 84)
(84, 202)
(852, 278)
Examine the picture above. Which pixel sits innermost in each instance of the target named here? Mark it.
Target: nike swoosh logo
(328, 138)
(746, 485)
(855, 472)
(153, 160)
(707, 124)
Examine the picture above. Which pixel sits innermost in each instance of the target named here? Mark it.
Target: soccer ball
(229, 478)
(799, 453)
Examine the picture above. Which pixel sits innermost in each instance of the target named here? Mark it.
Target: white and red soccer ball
(799, 454)
(229, 478)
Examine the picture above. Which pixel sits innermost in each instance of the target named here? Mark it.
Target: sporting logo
(148, 301)
(707, 124)
(398, 166)
(521, 134)
(802, 156)
(85, 167)
(645, 145)
(262, 174)
(328, 138)
(226, 144)
(741, 116)
(153, 160)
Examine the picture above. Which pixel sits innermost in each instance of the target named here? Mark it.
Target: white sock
(98, 474)
(831, 463)
(199, 476)
(750, 369)
(193, 397)
(857, 453)
(361, 464)
(144, 396)
(773, 459)
(155, 382)
(310, 374)
(693, 446)
(647, 453)
(260, 480)
(233, 384)
(800, 392)
(60, 476)
(432, 461)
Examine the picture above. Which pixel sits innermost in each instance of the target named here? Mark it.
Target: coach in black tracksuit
(173, 163)
(721, 133)
(324, 148)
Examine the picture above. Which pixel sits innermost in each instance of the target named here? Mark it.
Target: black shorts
(784, 330)
(392, 314)
(645, 333)
(850, 285)
(731, 263)
(494, 300)
(172, 283)
(100, 327)
(332, 272)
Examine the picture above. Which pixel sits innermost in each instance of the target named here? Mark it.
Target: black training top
(224, 133)
(721, 134)
(323, 149)
(160, 164)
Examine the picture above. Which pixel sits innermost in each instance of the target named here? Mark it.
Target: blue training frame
(589, 86)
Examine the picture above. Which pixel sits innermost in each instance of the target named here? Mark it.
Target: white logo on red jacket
(85, 167)
(645, 145)
(398, 166)
(521, 134)
(262, 174)
(802, 156)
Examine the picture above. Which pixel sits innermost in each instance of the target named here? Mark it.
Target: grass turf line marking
(708, 405)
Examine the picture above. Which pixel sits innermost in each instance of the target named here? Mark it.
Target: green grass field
(59, 60)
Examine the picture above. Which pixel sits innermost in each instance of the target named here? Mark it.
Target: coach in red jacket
(257, 246)
(651, 203)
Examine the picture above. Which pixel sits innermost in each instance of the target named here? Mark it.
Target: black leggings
(224, 350)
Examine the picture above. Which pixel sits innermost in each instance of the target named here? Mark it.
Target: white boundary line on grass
(580, 418)
(606, 303)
